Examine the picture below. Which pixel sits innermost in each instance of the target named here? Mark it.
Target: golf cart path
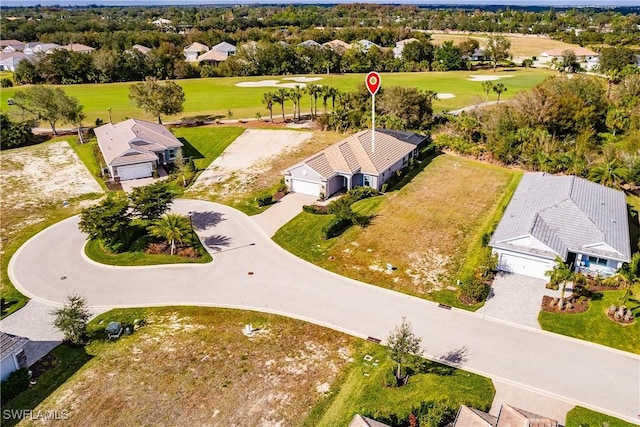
(52, 264)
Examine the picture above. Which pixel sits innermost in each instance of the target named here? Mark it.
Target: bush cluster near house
(16, 383)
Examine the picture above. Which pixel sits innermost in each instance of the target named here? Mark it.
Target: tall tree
(268, 100)
(280, 97)
(155, 98)
(72, 318)
(314, 91)
(151, 201)
(569, 62)
(49, 104)
(487, 85)
(497, 49)
(295, 95)
(403, 345)
(171, 227)
(499, 88)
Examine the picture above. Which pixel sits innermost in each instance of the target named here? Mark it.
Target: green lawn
(71, 359)
(216, 96)
(204, 144)
(583, 417)
(593, 325)
(86, 153)
(362, 390)
(94, 251)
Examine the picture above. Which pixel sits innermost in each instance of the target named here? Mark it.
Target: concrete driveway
(282, 212)
(517, 298)
(51, 264)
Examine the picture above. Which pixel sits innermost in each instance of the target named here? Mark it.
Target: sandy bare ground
(484, 78)
(46, 174)
(249, 155)
(38, 177)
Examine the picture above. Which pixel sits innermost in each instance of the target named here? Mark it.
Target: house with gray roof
(9, 61)
(192, 51)
(135, 148)
(353, 162)
(583, 223)
(509, 416)
(11, 45)
(12, 355)
(224, 48)
(37, 47)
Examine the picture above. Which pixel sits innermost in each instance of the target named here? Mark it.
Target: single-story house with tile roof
(77, 47)
(310, 43)
(508, 416)
(11, 45)
(192, 51)
(583, 223)
(134, 148)
(212, 57)
(338, 46)
(587, 58)
(225, 48)
(9, 61)
(140, 48)
(37, 47)
(397, 50)
(12, 355)
(353, 162)
(362, 421)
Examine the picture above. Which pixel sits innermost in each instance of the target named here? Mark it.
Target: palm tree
(295, 95)
(280, 97)
(560, 274)
(499, 88)
(268, 100)
(610, 172)
(487, 85)
(333, 94)
(171, 227)
(314, 91)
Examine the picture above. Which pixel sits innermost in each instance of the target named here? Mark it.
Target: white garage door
(305, 187)
(528, 267)
(143, 170)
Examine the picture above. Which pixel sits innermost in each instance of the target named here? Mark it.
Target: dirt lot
(255, 161)
(37, 178)
(521, 46)
(194, 366)
(423, 230)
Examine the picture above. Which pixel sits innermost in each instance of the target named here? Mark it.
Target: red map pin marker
(373, 82)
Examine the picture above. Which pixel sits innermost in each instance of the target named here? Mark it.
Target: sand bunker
(249, 153)
(445, 95)
(303, 79)
(298, 81)
(477, 78)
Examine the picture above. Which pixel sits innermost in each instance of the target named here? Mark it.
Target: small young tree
(560, 275)
(403, 345)
(487, 85)
(72, 319)
(151, 201)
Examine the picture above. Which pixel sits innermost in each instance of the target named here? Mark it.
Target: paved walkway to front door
(517, 298)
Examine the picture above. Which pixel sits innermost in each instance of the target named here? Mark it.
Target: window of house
(598, 261)
(367, 181)
(172, 154)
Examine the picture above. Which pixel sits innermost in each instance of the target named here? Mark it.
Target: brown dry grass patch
(193, 366)
(527, 46)
(424, 230)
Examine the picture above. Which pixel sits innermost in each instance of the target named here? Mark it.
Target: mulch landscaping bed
(165, 249)
(576, 306)
(43, 365)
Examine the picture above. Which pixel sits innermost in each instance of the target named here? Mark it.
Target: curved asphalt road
(51, 265)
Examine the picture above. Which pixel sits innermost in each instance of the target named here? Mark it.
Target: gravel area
(249, 155)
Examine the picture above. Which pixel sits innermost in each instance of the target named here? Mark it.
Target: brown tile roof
(514, 417)
(469, 417)
(5, 43)
(337, 44)
(578, 51)
(356, 153)
(77, 47)
(212, 55)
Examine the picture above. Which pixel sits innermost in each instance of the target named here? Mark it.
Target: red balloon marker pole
(373, 84)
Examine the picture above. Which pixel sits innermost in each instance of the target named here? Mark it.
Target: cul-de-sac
(345, 214)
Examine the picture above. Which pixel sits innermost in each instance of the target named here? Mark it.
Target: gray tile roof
(10, 343)
(224, 47)
(567, 214)
(133, 136)
(356, 154)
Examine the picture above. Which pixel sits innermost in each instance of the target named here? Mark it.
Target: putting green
(218, 96)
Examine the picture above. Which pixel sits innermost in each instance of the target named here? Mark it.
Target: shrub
(474, 290)
(360, 193)
(315, 209)
(340, 206)
(264, 200)
(336, 227)
(16, 383)
(282, 187)
(384, 188)
(6, 82)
